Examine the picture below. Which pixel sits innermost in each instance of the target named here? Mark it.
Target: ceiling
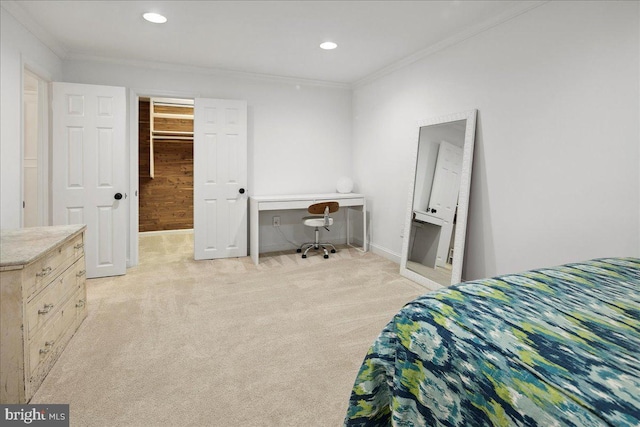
(279, 38)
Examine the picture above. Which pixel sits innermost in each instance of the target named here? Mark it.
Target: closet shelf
(174, 117)
(171, 132)
(173, 138)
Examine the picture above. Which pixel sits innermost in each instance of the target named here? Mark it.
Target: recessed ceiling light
(156, 18)
(328, 45)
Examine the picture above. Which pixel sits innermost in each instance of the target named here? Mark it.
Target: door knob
(241, 191)
(118, 196)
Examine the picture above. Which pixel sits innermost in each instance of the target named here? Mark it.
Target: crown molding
(175, 67)
(517, 10)
(22, 16)
(168, 66)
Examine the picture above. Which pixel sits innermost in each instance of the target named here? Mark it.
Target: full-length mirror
(436, 220)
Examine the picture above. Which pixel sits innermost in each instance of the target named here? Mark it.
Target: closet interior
(165, 164)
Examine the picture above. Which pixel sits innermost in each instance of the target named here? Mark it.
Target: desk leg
(365, 246)
(364, 229)
(348, 227)
(254, 231)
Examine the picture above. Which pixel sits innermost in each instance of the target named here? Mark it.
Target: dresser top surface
(22, 246)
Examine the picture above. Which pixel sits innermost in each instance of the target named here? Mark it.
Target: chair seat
(316, 221)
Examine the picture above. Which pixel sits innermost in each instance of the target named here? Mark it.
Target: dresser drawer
(42, 307)
(49, 342)
(40, 273)
(81, 305)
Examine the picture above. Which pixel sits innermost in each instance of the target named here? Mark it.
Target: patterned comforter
(549, 347)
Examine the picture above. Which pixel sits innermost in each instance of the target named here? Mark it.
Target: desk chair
(320, 218)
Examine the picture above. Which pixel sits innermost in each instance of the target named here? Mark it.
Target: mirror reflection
(435, 200)
(434, 245)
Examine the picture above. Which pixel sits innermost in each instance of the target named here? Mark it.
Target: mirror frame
(463, 199)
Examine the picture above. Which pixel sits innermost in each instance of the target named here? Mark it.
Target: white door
(446, 181)
(219, 178)
(89, 176)
(30, 173)
(444, 194)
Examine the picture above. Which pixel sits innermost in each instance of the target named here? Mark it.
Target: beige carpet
(177, 342)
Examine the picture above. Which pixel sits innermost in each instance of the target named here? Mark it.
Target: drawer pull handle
(44, 350)
(47, 308)
(81, 273)
(44, 272)
(49, 343)
(79, 246)
(80, 303)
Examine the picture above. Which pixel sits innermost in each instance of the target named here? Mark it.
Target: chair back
(320, 208)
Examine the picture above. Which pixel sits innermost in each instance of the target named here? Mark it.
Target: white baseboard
(286, 246)
(385, 253)
(276, 247)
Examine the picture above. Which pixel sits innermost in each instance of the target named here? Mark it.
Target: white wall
(17, 47)
(556, 171)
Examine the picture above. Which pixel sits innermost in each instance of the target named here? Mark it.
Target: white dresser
(42, 303)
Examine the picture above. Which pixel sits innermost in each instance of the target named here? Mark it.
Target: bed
(549, 347)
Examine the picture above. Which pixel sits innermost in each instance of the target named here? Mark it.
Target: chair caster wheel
(298, 250)
(304, 256)
(326, 256)
(333, 251)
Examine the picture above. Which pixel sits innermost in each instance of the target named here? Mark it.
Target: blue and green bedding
(550, 347)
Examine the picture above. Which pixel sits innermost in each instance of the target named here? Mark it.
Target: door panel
(446, 181)
(89, 168)
(220, 171)
(444, 194)
(31, 174)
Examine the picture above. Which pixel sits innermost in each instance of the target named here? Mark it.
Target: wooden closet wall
(166, 200)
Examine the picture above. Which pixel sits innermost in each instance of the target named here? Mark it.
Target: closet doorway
(204, 147)
(165, 179)
(35, 140)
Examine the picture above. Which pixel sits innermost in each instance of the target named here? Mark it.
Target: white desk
(300, 201)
